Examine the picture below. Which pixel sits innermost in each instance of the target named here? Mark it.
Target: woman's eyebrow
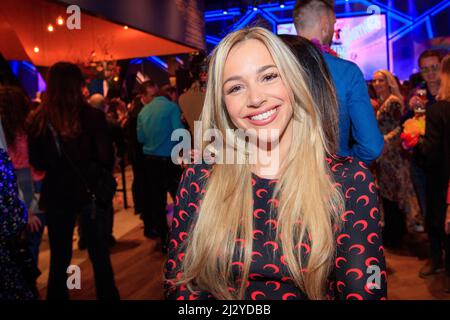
(261, 69)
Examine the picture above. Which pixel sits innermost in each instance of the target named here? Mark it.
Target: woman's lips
(264, 118)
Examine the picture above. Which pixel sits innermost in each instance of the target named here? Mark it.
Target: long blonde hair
(393, 86)
(309, 204)
(444, 88)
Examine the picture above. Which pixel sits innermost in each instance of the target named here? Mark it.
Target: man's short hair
(306, 11)
(429, 54)
(142, 89)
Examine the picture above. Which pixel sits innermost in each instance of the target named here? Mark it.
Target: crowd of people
(362, 164)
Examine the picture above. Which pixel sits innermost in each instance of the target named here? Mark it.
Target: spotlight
(282, 4)
(36, 49)
(255, 8)
(60, 21)
(225, 12)
(125, 27)
(50, 28)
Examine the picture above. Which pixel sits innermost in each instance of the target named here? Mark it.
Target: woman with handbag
(69, 140)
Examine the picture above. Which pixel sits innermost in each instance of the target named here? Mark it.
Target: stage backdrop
(362, 40)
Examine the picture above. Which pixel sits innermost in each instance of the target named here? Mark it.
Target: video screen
(361, 40)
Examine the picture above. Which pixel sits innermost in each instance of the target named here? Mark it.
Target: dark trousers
(61, 224)
(394, 224)
(161, 176)
(137, 188)
(439, 245)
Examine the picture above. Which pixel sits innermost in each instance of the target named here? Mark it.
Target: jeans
(61, 224)
(25, 185)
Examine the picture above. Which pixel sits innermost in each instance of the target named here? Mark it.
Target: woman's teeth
(264, 116)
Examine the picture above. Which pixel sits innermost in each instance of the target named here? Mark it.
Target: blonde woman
(400, 204)
(307, 230)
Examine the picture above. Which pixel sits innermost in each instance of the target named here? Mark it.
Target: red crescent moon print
(339, 284)
(255, 294)
(183, 192)
(272, 222)
(257, 211)
(362, 165)
(337, 165)
(256, 253)
(372, 212)
(361, 222)
(193, 205)
(358, 273)
(189, 172)
(183, 213)
(288, 295)
(273, 267)
(339, 259)
(360, 174)
(357, 233)
(371, 236)
(174, 242)
(275, 283)
(255, 232)
(259, 191)
(363, 198)
(371, 186)
(172, 263)
(360, 248)
(347, 193)
(342, 236)
(369, 260)
(182, 236)
(345, 214)
(355, 296)
(205, 173)
(196, 186)
(274, 202)
(253, 276)
(273, 244)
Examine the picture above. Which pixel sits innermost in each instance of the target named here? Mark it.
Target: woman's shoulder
(196, 173)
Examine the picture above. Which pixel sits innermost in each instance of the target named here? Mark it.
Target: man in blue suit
(360, 136)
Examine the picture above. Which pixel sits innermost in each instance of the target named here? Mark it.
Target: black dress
(359, 243)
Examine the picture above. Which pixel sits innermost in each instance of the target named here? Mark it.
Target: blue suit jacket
(359, 135)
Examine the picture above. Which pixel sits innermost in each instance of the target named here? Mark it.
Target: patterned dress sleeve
(13, 215)
(360, 264)
(187, 202)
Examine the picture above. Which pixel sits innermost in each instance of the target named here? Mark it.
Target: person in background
(191, 101)
(246, 231)
(423, 96)
(69, 140)
(358, 129)
(144, 95)
(98, 102)
(435, 151)
(156, 122)
(14, 109)
(396, 189)
(170, 92)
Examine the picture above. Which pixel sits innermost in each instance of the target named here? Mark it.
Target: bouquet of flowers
(413, 129)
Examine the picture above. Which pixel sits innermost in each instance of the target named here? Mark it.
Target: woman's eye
(269, 77)
(234, 89)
